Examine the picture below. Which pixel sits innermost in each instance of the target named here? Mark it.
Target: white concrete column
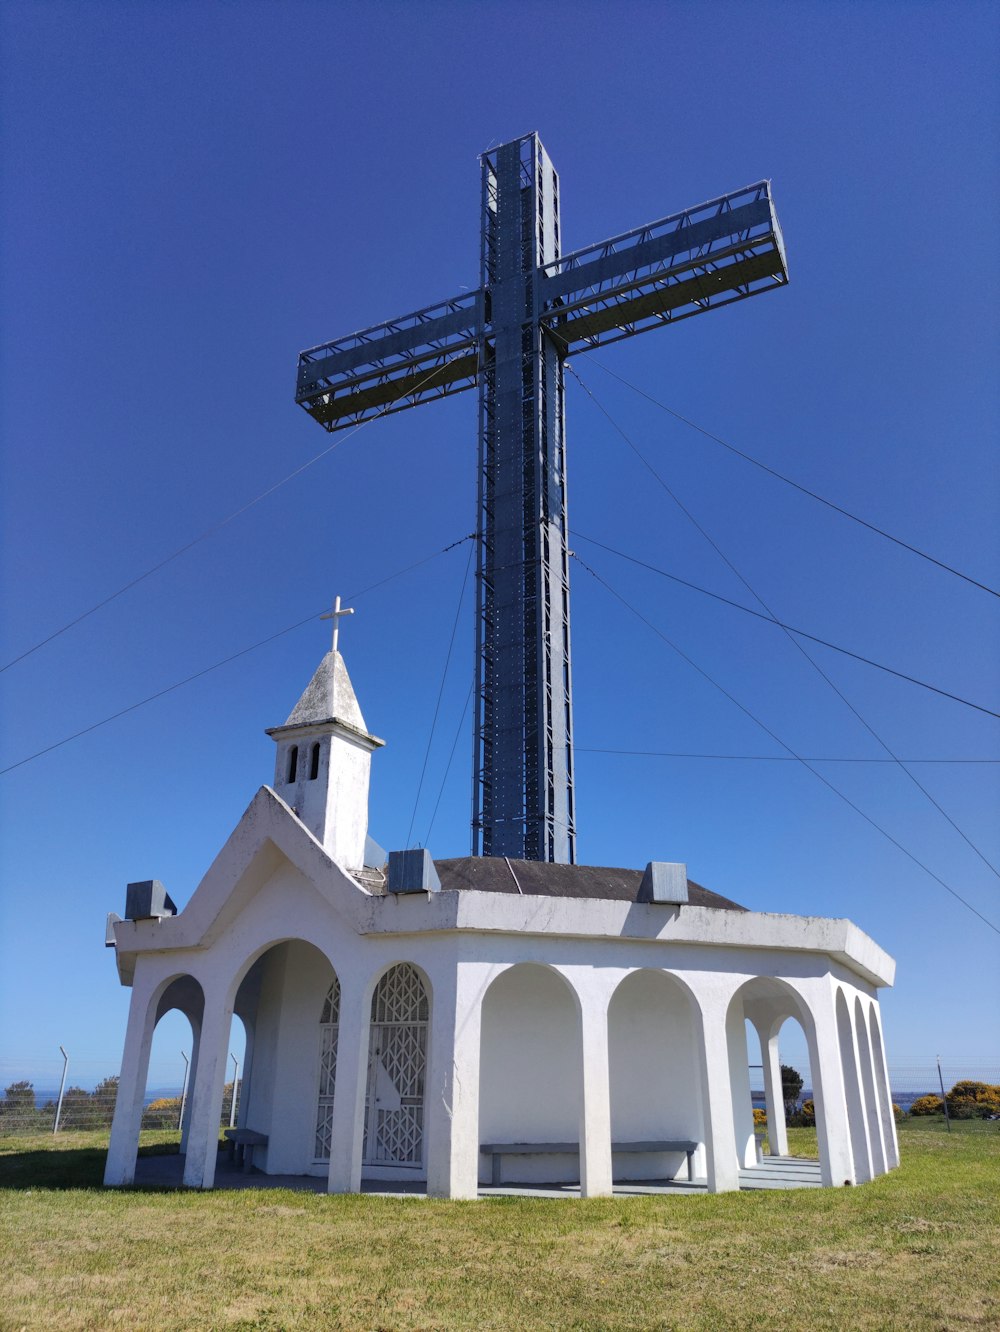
(884, 1090)
(829, 1091)
(722, 1163)
(739, 1082)
(595, 1107)
(873, 1118)
(453, 1081)
(347, 1128)
(206, 1095)
(123, 1146)
(192, 1078)
(770, 1058)
(847, 1039)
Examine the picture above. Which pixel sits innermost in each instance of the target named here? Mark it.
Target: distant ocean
(44, 1095)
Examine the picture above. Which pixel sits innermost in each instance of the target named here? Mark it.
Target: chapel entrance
(397, 1068)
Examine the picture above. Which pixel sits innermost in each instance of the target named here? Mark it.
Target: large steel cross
(535, 307)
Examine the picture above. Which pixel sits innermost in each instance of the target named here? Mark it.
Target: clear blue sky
(193, 193)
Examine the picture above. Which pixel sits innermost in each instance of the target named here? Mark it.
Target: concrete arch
(260, 948)
(278, 992)
(886, 1112)
(655, 1072)
(857, 1126)
(873, 1117)
(531, 1068)
(767, 1002)
(180, 990)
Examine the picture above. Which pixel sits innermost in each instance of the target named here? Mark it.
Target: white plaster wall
(654, 1074)
(531, 1072)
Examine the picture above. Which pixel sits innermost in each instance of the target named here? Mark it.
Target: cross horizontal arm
(390, 366)
(714, 254)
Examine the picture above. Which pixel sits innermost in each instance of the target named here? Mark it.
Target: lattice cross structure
(510, 339)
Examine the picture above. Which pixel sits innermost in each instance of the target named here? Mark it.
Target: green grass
(915, 1249)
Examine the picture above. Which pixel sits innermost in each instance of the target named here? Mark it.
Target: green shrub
(163, 1113)
(927, 1105)
(974, 1100)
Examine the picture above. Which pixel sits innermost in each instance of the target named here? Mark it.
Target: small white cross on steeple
(335, 615)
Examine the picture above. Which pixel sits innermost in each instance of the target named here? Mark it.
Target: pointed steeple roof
(329, 696)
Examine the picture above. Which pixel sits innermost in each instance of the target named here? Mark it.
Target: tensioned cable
(215, 527)
(447, 767)
(789, 628)
(444, 677)
(777, 739)
(132, 707)
(771, 471)
(793, 640)
(764, 758)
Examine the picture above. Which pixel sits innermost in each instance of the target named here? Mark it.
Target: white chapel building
(424, 1020)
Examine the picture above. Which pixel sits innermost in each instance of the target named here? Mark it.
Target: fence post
(236, 1082)
(62, 1088)
(947, 1117)
(184, 1090)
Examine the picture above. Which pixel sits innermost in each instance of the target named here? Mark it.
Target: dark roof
(493, 874)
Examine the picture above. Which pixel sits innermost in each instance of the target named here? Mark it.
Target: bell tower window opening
(293, 762)
(314, 762)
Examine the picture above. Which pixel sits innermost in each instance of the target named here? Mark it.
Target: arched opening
(314, 762)
(179, 993)
(279, 1001)
(655, 1075)
(397, 1073)
(293, 763)
(531, 1072)
(173, 1057)
(860, 1153)
(770, 1028)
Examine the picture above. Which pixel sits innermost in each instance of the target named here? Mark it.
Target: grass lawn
(916, 1249)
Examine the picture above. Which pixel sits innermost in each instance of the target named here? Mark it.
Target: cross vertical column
(523, 793)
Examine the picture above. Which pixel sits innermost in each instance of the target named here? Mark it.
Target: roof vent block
(412, 872)
(664, 882)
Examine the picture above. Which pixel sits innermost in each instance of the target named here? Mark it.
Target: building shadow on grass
(70, 1168)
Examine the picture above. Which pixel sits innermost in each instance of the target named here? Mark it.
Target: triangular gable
(268, 832)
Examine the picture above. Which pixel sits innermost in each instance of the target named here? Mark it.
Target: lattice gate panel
(329, 1030)
(397, 1067)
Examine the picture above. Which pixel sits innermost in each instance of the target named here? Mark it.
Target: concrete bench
(241, 1144)
(496, 1151)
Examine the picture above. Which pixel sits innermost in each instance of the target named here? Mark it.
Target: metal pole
(184, 1090)
(947, 1117)
(236, 1083)
(62, 1088)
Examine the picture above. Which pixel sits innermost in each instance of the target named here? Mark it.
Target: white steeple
(323, 763)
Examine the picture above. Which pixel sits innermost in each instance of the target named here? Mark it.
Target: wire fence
(68, 1095)
(72, 1095)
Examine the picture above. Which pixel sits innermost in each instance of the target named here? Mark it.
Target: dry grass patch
(915, 1249)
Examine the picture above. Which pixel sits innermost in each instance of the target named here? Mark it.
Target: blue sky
(194, 193)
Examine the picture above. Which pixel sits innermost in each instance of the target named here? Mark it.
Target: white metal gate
(397, 1065)
(329, 1027)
